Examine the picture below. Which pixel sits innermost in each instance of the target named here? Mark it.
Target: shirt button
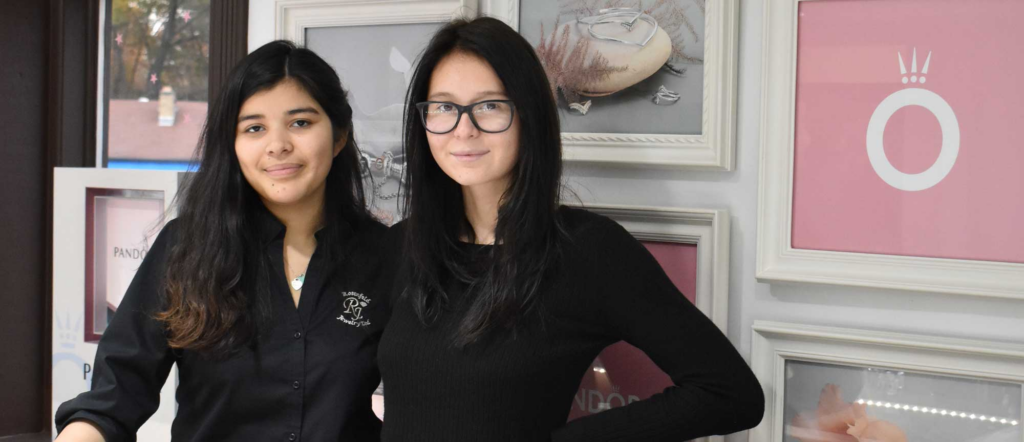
(298, 335)
(291, 436)
(295, 385)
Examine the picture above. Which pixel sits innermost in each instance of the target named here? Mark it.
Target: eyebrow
(449, 96)
(301, 110)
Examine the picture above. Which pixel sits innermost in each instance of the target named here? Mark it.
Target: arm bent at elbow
(80, 431)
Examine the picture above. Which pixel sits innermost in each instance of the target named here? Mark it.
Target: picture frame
(788, 204)
(392, 32)
(894, 377)
(708, 229)
(113, 248)
(623, 373)
(75, 269)
(712, 149)
(294, 17)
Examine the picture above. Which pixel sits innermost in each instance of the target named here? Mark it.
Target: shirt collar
(270, 228)
(268, 225)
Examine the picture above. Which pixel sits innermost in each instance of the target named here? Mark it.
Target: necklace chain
(297, 282)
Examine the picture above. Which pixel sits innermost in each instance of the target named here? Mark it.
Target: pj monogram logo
(353, 313)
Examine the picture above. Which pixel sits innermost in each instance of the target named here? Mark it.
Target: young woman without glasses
(260, 290)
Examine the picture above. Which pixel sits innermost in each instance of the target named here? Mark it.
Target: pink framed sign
(120, 226)
(692, 246)
(623, 374)
(890, 157)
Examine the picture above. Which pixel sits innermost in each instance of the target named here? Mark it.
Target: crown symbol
(913, 68)
(67, 332)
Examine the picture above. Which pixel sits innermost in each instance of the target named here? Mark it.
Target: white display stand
(104, 222)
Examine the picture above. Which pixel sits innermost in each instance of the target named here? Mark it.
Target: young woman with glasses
(506, 297)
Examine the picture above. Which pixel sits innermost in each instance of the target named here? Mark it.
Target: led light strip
(936, 411)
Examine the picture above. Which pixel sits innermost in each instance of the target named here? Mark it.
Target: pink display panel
(120, 226)
(907, 115)
(622, 374)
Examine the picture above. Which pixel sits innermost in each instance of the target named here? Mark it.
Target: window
(154, 82)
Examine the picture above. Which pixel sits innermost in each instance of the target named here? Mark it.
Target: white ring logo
(947, 122)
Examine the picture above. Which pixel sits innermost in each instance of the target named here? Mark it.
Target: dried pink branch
(571, 71)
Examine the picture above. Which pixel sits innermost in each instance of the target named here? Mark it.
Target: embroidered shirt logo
(354, 304)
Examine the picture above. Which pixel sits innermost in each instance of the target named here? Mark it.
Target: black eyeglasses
(491, 116)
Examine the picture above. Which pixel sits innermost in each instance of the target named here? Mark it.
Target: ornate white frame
(713, 149)
(293, 17)
(777, 260)
(708, 229)
(775, 343)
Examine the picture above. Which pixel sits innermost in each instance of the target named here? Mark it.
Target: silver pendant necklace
(298, 281)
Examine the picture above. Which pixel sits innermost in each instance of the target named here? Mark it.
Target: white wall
(923, 313)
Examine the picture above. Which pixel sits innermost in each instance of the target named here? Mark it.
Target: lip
(468, 156)
(283, 170)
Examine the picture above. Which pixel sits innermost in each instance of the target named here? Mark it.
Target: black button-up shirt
(310, 377)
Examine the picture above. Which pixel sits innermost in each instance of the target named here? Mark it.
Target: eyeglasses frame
(420, 107)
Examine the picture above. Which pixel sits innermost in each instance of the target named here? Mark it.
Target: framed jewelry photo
(845, 385)
(648, 83)
(889, 153)
(375, 71)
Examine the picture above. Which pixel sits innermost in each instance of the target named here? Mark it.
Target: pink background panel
(680, 264)
(847, 64)
(629, 375)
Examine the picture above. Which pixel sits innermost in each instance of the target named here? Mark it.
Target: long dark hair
(529, 234)
(218, 274)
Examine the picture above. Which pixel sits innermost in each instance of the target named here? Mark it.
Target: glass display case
(831, 402)
(829, 384)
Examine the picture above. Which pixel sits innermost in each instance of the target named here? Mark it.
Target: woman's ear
(341, 142)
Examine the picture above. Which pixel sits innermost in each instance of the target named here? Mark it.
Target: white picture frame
(708, 229)
(776, 343)
(777, 260)
(382, 166)
(71, 356)
(713, 149)
(293, 17)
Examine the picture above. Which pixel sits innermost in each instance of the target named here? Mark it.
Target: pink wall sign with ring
(908, 115)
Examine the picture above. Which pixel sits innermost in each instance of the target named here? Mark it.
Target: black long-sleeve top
(310, 377)
(520, 388)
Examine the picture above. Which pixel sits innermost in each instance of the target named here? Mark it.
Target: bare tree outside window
(157, 66)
